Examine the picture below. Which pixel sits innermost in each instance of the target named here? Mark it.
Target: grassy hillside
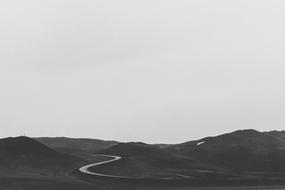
(245, 150)
(23, 154)
(74, 145)
(144, 160)
(26, 163)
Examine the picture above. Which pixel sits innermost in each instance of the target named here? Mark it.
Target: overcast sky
(151, 70)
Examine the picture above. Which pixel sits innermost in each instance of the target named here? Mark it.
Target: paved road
(86, 169)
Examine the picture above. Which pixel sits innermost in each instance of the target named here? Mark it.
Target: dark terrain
(243, 150)
(244, 157)
(23, 154)
(243, 154)
(75, 145)
(144, 160)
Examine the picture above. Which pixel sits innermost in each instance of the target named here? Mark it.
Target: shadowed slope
(144, 160)
(240, 150)
(25, 154)
(74, 145)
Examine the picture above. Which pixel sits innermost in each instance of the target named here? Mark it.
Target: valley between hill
(240, 158)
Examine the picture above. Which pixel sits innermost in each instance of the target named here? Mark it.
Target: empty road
(86, 170)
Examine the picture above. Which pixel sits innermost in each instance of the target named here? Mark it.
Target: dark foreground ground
(73, 184)
(77, 181)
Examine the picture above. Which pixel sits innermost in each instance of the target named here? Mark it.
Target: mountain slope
(23, 145)
(144, 160)
(25, 154)
(240, 150)
(280, 135)
(73, 145)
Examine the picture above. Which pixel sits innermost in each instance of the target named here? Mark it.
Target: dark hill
(136, 149)
(74, 145)
(140, 159)
(280, 135)
(21, 154)
(24, 146)
(239, 150)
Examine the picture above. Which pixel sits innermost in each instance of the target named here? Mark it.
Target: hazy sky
(149, 70)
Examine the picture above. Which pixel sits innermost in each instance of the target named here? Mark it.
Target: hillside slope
(74, 145)
(144, 160)
(244, 150)
(21, 154)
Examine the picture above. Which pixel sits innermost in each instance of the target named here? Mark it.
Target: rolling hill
(242, 154)
(75, 145)
(144, 160)
(243, 150)
(23, 154)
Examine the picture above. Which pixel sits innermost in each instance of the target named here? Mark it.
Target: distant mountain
(26, 154)
(74, 145)
(244, 150)
(138, 149)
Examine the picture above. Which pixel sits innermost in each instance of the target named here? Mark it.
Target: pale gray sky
(149, 70)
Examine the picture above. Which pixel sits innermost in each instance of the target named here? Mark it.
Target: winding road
(86, 169)
(184, 179)
(113, 158)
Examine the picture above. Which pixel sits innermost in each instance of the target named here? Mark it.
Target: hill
(75, 145)
(144, 160)
(242, 150)
(280, 135)
(23, 154)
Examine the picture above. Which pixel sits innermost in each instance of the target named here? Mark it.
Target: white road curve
(86, 169)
